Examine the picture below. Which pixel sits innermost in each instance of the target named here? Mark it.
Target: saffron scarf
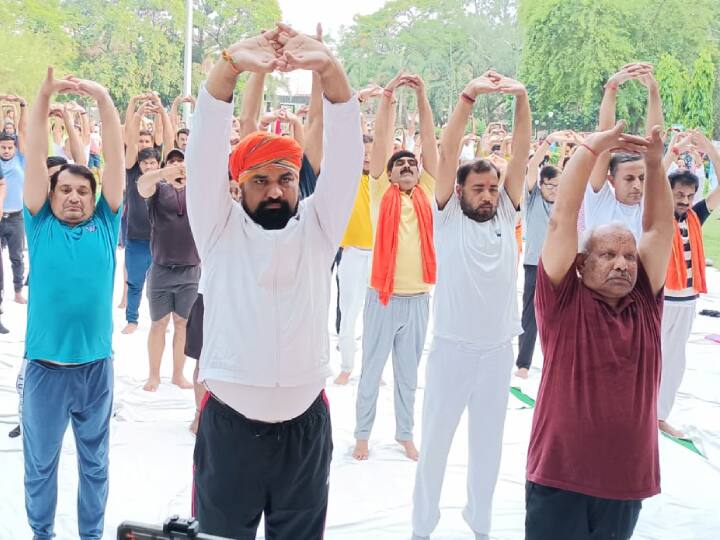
(386, 240)
(677, 269)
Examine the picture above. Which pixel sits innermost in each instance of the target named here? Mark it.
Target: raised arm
(429, 148)
(531, 175)
(76, 148)
(206, 159)
(561, 243)
(705, 145)
(251, 104)
(174, 116)
(657, 221)
(654, 103)
(384, 127)
(85, 127)
(451, 139)
(132, 135)
(298, 131)
(313, 147)
(608, 107)
(521, 135)
(22, 125)
(37, 183)
(56, 115)
(130, 113)
(159, 125)
(343, 150)
(168, 133)
(113, 179)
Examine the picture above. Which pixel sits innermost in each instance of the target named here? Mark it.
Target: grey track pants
(400, 327)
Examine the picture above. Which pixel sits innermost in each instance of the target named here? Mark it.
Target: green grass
(711, 238)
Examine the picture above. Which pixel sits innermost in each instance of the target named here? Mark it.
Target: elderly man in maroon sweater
(593, 453)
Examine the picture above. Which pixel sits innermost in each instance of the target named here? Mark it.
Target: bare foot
(410, 450)
(667, 428)
(20, 299)
(152, 384)
(343, 378)
(522, 373)
(129, 329)
(182, 382)
(361, 451)
(194, 425)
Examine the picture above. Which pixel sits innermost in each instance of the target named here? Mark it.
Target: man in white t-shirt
(264, 440)
(617, 182)
(476, 311)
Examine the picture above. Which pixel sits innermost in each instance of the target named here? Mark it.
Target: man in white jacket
(264, 442)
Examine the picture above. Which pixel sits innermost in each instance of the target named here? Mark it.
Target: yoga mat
(713, 337)
(527, 400)
(687, 443)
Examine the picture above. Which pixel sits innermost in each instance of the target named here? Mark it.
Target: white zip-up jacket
(267, 292)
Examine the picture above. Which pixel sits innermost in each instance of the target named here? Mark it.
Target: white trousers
(353, 274)
(677, 324)
(460, 376)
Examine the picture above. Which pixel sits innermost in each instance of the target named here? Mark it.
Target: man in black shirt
(141, 156)
(175, 272)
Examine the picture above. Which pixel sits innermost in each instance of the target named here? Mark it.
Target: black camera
(174, 528)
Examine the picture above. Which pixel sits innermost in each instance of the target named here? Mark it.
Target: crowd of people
(233, 226)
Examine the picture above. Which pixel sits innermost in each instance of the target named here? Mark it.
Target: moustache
(620, 275)
(265, 205)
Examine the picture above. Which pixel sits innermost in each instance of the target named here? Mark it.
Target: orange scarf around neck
(386, 240)
(677, 269)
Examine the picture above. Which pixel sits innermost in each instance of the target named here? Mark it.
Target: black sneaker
(3, 330)
(15, 432)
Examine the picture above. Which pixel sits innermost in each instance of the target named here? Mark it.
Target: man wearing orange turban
(264, 441)
(267, 167)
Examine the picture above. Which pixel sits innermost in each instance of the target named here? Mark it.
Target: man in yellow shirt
(403, 268)
(354, 269)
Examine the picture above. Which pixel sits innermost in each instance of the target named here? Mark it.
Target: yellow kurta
(408, 270)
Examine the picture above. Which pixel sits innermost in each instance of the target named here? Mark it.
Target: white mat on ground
(151, 454)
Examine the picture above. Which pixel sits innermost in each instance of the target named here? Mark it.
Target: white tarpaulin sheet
(151, 451)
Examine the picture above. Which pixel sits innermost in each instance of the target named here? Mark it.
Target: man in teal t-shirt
(69, 375)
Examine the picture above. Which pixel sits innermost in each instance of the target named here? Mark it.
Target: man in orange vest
(685, 278)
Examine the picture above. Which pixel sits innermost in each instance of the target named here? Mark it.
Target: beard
(481, 214)
(271, 218)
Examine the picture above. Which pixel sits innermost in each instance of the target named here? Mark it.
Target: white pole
(187, 88)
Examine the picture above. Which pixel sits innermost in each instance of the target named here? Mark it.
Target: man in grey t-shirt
(540, 197)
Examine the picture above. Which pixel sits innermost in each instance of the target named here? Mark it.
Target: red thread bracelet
(467, 98)
(593, 152)
(387, 93)
(675, 150)
(612, 85)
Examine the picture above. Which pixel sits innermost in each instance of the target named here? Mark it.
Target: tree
(446, 42)
(130, 46)
(571, 48)
(672, 78)
(34, 29)
(700, 93)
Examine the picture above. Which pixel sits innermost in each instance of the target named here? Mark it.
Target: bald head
(608, 261)
(616, 231)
